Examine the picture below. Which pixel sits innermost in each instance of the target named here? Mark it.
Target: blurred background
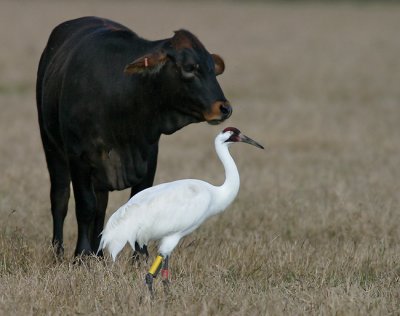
(316, 82)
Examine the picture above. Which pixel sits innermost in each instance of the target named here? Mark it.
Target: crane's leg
(166, 246)
(165, 274)
(153, 272)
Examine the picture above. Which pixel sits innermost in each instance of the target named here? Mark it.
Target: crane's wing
(170, 208)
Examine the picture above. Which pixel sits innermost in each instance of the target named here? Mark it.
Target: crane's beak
(248, 140)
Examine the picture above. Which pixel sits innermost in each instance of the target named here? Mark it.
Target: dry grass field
(316, 226)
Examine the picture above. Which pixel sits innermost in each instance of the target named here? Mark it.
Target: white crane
(170, 211)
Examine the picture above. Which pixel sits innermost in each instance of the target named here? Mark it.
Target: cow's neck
(172, 121)
(160, 115)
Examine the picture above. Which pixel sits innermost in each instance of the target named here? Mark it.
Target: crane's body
(165, 212)
(170, 211)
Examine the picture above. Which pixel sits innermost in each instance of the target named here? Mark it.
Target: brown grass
(315, 228)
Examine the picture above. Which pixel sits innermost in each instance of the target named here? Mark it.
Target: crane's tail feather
(100, 247)
(114, 246)
(113, 243)
(116, 233)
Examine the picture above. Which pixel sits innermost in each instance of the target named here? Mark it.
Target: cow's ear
(149, 62)
(219, 64)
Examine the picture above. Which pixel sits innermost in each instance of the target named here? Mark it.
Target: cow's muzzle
(220, 111)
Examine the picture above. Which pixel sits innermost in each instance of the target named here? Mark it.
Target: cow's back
(67, 35)
(63, 40)
(64, 43)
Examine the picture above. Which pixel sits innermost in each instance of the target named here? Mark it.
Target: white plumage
(170, 211)
(167, 211)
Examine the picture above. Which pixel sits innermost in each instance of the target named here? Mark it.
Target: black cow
(104, 97)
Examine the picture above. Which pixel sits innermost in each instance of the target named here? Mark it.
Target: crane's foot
(149, 281)
(166, 284)
(154, 269)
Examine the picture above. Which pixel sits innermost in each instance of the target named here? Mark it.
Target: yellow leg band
(156, 265)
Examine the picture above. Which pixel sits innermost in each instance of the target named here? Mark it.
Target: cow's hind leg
(85, 204)
(101, 202)
(59, 195)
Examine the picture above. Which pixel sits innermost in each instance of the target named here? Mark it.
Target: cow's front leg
(85, 205)
(101, 202)
(146, 183)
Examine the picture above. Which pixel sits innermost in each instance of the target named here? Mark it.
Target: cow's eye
(190, 67)
(189, 71)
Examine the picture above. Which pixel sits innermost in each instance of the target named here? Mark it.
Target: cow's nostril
(226, 110)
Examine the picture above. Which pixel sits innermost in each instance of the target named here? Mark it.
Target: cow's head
(187, 72)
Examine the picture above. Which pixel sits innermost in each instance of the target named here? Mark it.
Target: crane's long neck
(227, 192)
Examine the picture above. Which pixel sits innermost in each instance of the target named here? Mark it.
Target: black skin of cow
(104, 98)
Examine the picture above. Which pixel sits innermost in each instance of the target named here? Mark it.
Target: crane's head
(232, 135)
